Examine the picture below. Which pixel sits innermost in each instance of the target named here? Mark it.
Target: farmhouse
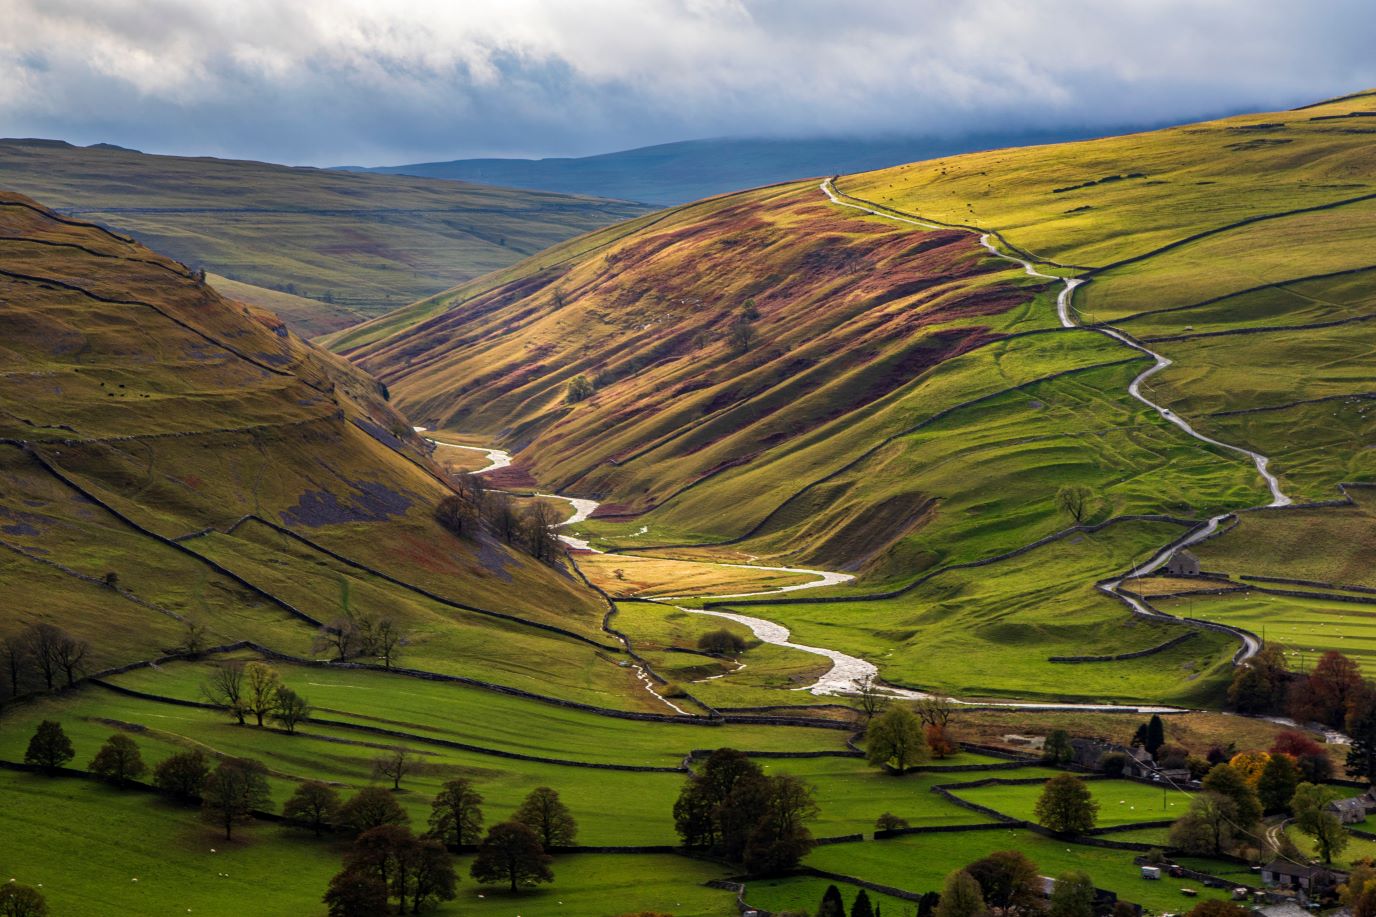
(1284, 874)
(1183, 563)
(1349, 811)
(1089, 752)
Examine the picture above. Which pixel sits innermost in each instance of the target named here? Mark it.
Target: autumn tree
(895, 740)
(224, 687)
(118, 760)
(315, 804)
(544, 813)
(1066, 805)
(182, 774)
(1311, 758)
(456, 815)
(1361, 753)
(370, 808)
(1330, 692)
(938, 742)
(233, 791)
(414, 870)
(1250, 764)
(511, 853)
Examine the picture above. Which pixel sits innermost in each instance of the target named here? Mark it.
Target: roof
(1287, 868)
(1354, 802)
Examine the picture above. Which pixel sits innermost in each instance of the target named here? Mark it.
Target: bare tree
(225, 688)
(70, 655)
(388, 638)
(500, 514)
(343, 636)
(16, 656)
(261, 684)
(935, 711)
(1074, 500)
(43, 639)
(872, 698)
(397, 763)
(540, 520)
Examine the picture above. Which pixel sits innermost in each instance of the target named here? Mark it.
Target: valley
(1015, 448)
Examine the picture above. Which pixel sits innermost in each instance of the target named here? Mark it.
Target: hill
(689, 170)
(326, 248)
(173, 458)
(905, 404)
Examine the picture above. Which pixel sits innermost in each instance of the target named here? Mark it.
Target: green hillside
(345, 245)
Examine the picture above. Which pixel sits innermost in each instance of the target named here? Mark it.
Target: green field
(1121, 802)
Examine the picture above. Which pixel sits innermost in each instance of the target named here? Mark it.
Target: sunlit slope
(171, 455)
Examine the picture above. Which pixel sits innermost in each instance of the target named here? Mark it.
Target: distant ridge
(676, 173)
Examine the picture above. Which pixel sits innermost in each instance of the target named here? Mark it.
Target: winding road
(1251, 645)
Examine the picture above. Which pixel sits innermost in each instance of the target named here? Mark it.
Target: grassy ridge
(350, 244)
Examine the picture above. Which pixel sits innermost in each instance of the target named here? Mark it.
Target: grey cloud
(330, 81)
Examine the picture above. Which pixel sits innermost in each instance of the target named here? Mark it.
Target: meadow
(1121, 802)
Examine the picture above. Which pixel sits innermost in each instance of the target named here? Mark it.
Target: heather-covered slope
(169, 455)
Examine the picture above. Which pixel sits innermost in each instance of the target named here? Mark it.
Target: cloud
(331, 81)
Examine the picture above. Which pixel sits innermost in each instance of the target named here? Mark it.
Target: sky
(332, 82)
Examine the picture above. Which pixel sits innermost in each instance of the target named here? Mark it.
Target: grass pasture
(1121, 802)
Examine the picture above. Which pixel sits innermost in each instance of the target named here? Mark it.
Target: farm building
(1287, 875)
(1183, 563)
(1349, 811)
(1089, 752)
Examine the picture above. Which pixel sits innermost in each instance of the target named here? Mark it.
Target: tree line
(43, 657)
(387, 861)
(474, 508)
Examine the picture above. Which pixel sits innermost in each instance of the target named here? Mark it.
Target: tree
(861, 906)
(780, 838)
(1207, 828)
(42, 640)
(749, 311)
(182, 774)
(722, 642)
(1361, 754)
(389, 638)
(356, 893)
(742, 337)
(1139, 738)
(195, 638)
(1310, 805)
(432, 874)
(1113, 763)
(18, 900)
(459, 513)
(1251, 765)
(371, 807)
(961, 896)
(394, 765)
(1009, 881)
(1156, 735)
(538, 523)
(833, 905)
(1226, 780)
(290, 708)
(315, 804)
(118, 760)
(551, 820)
(1072, 895)
(1330, 692)
(225, 688)
(579, 388)
(872, 697)
(1259, 685)
(1074, 500)
(69, 654)
(15, 656)
(233, 791)
(1066, 805)
(1057, 749)
(261, 684)
(699, 808)
(895, 740)
(405, 866)
(938, 742)
(49, 748)
(511, 853)
(935, 711)
(343, 635)
(1277, 783)
(890, 822)
(1310, 757)
(456, 815)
